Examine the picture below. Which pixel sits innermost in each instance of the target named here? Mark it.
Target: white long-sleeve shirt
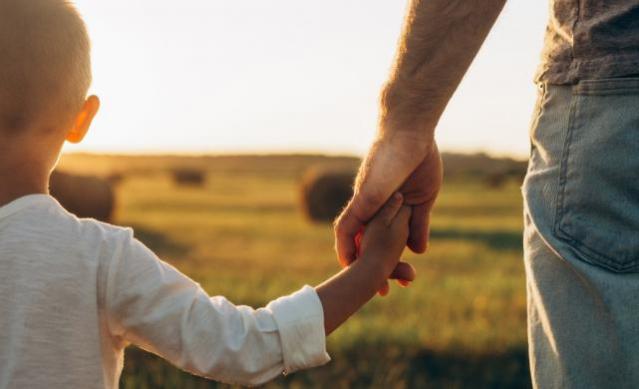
(75, 292)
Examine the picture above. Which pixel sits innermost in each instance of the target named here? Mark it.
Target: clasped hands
(400, 163)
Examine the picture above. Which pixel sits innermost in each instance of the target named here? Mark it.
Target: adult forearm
(439, 41)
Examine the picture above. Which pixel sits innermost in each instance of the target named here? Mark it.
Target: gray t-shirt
(590, 39)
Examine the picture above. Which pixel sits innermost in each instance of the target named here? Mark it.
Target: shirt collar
(24, 202)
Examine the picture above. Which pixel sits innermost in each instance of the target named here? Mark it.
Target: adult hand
(396, 162)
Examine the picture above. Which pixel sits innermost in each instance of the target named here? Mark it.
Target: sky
(228, 76)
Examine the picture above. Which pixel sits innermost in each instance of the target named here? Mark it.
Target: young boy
(74, 293)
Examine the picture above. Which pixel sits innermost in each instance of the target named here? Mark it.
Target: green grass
(242, 235)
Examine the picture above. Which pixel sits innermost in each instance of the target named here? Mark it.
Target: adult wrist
(402, 113)
(414, 141)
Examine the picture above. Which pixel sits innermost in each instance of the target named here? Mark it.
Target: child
(74, 293)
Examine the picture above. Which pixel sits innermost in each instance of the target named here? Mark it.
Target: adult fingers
(347, 226)
(419, 228)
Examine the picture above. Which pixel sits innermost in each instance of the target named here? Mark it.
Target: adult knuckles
(367, 202)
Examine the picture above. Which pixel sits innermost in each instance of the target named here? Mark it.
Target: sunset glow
(249, 76)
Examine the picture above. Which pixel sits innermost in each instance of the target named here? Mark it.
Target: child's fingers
(384, 289)
(404, 272)
(390, 209)
(358, 242)
(403, 215)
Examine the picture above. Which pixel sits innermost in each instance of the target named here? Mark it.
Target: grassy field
(461, 324)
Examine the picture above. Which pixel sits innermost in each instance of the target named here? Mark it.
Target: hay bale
(495, 180)
(324, 193)
(187, 176)
(84, 196)
(115, 178)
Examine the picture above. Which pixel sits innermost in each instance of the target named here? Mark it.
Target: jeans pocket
(598, 199)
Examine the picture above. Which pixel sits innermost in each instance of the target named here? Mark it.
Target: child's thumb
(390, 209)
(403, 215)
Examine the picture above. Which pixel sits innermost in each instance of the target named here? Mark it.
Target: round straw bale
(495, 180)
(84, 196)
(115, 178)
(189, 176)
(324, 193)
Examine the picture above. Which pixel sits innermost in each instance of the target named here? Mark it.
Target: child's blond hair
(45, 68)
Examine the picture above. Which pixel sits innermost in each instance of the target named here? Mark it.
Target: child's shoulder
(45, 242)
(93, 233)
(42, 220)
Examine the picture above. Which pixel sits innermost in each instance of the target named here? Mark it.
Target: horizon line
(265, 153)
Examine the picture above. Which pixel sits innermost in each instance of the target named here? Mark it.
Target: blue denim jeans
(581, 240)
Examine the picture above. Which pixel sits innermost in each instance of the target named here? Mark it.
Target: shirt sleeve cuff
(300, 320)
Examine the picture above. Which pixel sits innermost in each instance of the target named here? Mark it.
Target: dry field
(241, 233)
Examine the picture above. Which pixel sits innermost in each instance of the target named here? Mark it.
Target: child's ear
(83, 120)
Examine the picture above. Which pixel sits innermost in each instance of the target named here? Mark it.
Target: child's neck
(19, 179)
(26, 163)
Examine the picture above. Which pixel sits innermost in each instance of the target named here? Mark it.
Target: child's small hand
(385, 237)
(380, 246)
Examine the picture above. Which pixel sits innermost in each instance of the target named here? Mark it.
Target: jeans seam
(609, 92)
(539, 107)
(602, 259)
(607, 87)
(563, 167)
